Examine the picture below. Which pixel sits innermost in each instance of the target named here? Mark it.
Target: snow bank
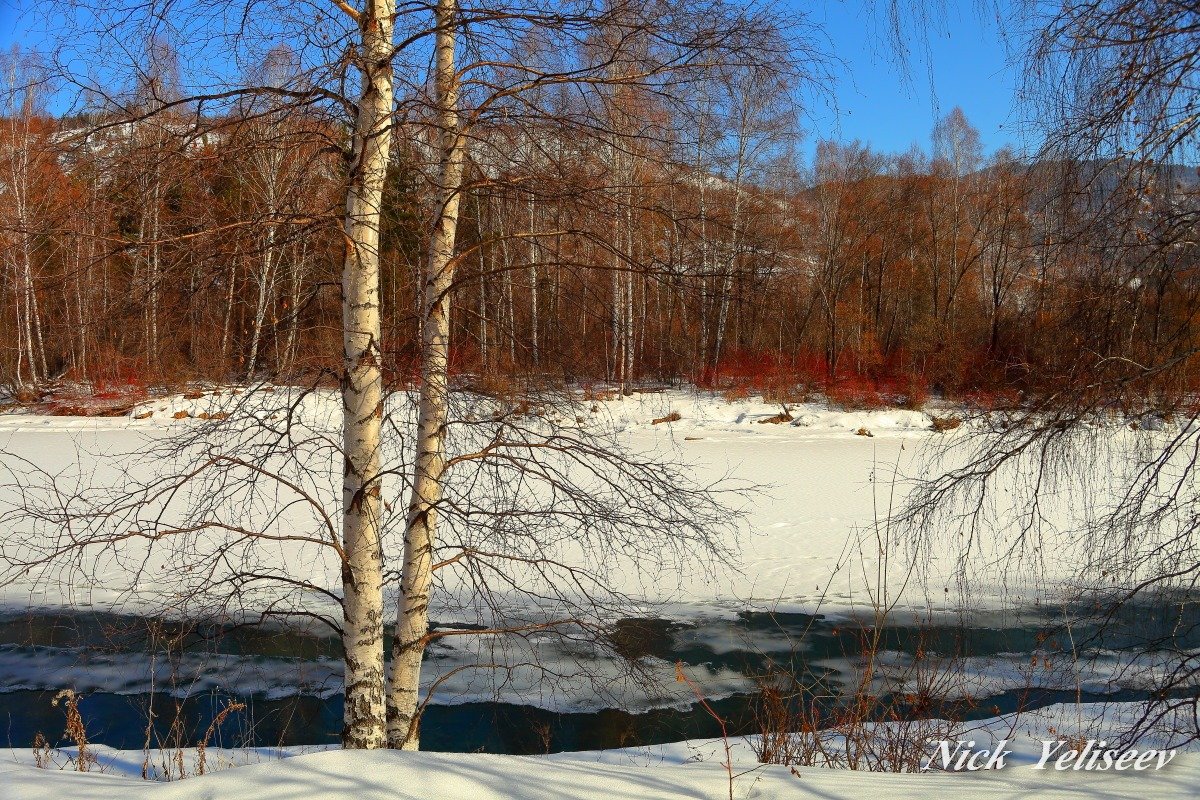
(681, 770)
(699, 411)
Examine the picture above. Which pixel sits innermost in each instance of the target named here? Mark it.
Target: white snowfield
(810, 537)
(394, 775)
(695, 770)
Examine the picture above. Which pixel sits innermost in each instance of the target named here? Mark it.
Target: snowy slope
(390, 775)
(682, 770)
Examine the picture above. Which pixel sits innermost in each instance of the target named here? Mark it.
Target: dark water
(752, 645)
(120, 721)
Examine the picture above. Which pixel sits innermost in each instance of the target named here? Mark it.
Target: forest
(151, 243)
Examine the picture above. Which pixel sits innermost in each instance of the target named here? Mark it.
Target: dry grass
(202, 745)
(76, 733)
(42, 758)
(943, 424)
(778, 419)
(861, 729)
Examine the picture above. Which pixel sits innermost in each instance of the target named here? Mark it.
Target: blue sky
(960, 60)
(966, 65)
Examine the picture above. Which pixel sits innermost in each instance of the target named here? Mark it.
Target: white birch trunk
(362, 391)
(627, 344)
(266, 286)
(483, 309)
(152, 276)
(20, 186)
(533, 285)
(299, 269)
(420, 535)
(227, 323)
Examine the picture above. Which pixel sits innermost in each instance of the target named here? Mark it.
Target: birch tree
(615, 46)
(26, 157)
(1113, 85)
(351, 58)
(416, 580)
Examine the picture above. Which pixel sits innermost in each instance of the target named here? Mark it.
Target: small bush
(591, 394)
(25, 395)
(915, 396)
(855, 394)
(991, 400)
(802, 723)
(784, 394)
(736, 393)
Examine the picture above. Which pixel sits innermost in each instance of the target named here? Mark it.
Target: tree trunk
(152, 277)
(535, 356)
(25, 324)
(362, 391)
(266, 281)
(299, 269)
(420, 535)
(227, 323)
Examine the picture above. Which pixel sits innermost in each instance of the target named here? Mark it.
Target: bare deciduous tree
(458, 69)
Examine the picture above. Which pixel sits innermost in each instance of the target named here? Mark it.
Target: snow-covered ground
(809, 540)
(694, 770)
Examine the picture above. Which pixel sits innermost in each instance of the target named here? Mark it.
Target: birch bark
(420, 535)
(362, 389)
